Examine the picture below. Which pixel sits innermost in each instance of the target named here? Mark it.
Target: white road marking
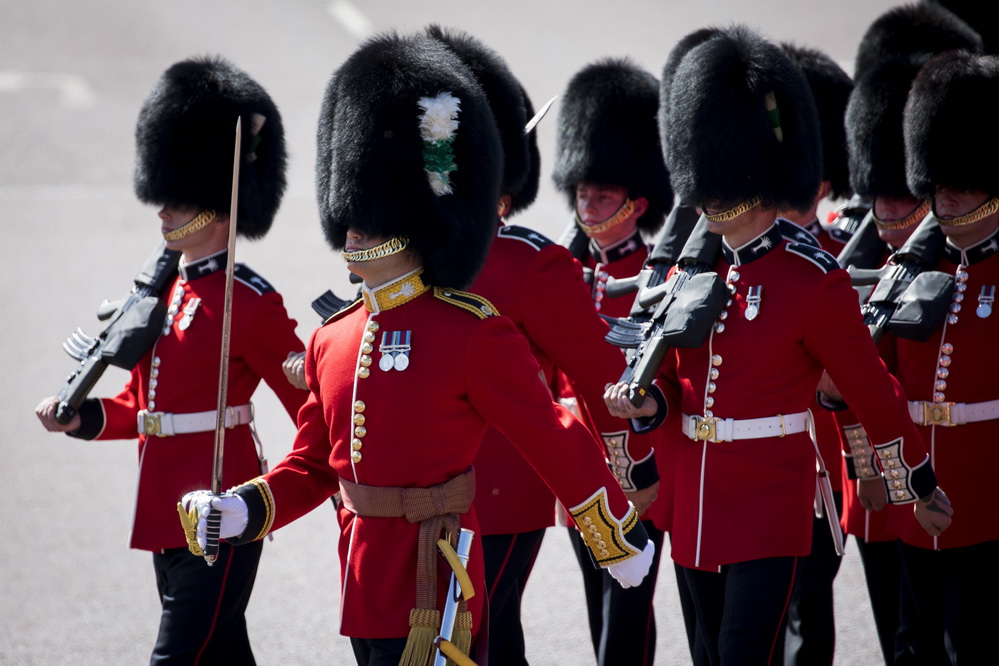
(74, 91)
(351, 18)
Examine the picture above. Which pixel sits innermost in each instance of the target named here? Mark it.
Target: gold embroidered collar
(398, 292)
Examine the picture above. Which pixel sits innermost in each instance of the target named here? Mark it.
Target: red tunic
(963, 456)
(539, 286)
(184, 363)
(420, 426)
(752, 498)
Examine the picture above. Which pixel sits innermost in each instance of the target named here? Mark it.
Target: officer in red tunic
(609, 166)
(890, 54)
(745, 482)
(524, 274)
(949, 377)
(405, 382)
(811, 628)
(184, 140)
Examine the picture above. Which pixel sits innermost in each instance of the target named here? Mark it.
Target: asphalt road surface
(72, 78)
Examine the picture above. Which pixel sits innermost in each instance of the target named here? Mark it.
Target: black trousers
(203, 620)
(883, 573)
(741, 612)
(378, 651)
(949, 615)
(622, 621)
(811, 624)
(509, 559)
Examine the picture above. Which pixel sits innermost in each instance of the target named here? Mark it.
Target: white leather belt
(952, 413)
(164, 424)
(699, 428)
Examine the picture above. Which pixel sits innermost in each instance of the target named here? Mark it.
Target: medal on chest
(189, 310)
(753, 299)
(395, 350)
(985, 300)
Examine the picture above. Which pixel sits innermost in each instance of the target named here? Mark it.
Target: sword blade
(214, 519)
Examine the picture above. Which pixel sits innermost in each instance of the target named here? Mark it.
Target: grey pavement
(72, 78)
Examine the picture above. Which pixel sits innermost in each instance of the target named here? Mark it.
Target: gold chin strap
(622, 214)
(735, 211)
(202, 220)
(980, 213)
(391, 246)
(912, 218)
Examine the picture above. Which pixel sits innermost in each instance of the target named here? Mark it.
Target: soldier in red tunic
(405, 382)
(948, 371)
(524, 275)
(185, 147)
(744, 147)
(609, 166)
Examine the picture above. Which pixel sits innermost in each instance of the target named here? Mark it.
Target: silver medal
(985, 300)
(395, 350)
(753, 300)
(401, 361)
(385, 363)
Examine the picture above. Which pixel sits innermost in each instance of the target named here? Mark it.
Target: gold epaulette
(602, 532)
(474, 303)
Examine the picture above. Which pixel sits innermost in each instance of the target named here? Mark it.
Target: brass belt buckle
(937, 413)
(706, 429)
(151, 424)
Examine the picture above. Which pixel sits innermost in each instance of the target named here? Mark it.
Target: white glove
(630, 572)
(235, 514)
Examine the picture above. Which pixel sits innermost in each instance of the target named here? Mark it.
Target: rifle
(676, 230)
(328, 304)
(865, 248)
(852, 214)
(678, 312)
(134, 324)
(920, 253)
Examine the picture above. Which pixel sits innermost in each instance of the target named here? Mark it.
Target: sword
(214, 520)
(539, 115)
(455, 593)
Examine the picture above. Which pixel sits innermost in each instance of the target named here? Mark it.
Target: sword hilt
(214, 528)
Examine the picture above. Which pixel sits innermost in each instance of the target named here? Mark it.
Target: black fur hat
(407, 146)
(722, 141)
(921, 27)
(951, 134)
(607, 133)
(979, 14)
(874, 127)
(184, 143)
(831, 87)
(676, 54)
(512, 109)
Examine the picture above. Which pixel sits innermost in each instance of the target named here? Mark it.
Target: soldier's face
(206, 240)
(949, 202)
(893, 209)
(597, 202)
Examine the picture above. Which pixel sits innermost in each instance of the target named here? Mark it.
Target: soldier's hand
(633, 570)
(46, 411)
(619, 404)
(294, 370)
(935, 513)
(872, 493)
(196, 506)
(643, 499)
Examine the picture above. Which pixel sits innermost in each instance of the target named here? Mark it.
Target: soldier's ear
(641, 205)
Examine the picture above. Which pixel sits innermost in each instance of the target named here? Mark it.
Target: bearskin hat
(607, 134)
(407, 146)
(831, 87)
(742, 123)
(184, 143)
(977, 14)
(874, 127)
(923, 27)
(951, 134)
(676, 54)
(512, 109)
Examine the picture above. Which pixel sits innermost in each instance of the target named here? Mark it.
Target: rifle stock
(920, 253)
(133, 326)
